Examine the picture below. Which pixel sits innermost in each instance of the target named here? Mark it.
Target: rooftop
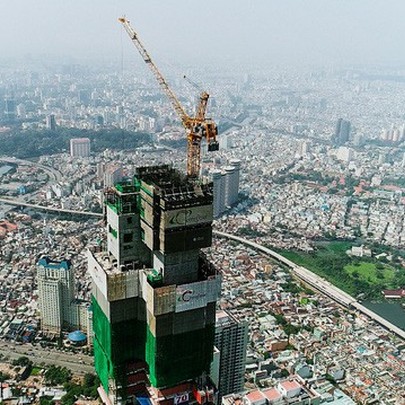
(174, 187)
(272, 394)
(255, 396)
(53, 264)
(290, 385)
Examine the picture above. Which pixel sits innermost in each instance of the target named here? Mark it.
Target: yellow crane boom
(197, 127)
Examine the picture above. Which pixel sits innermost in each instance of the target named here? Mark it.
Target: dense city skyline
(244, 247)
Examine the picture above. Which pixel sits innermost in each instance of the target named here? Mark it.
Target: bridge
(318, 283)
(18, 203)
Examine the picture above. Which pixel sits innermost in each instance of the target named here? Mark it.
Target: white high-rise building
(80, 147)
(112, 174)
(233, 190)
(226, 186)
(344, 154)
(218, 206)
(55, 293)
(229, 184)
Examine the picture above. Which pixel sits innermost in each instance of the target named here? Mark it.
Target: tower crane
(197, 127)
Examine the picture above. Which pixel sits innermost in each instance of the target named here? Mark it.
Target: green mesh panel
(102, 344)
(180, 357)
(115, 344)
(171, 359)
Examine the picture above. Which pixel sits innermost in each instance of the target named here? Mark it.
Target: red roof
(290, 385)
(398, 293)
(272, 394)
(255, 396)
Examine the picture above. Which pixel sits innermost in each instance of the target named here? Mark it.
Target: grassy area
(368, 272)
(36, 371)
(337, 246)
(353, 275)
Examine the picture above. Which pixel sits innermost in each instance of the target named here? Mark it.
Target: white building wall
(80, 147)
(217, 190)
(55, 295)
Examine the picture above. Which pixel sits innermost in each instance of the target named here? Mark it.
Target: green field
(354, 275)
(368, 271)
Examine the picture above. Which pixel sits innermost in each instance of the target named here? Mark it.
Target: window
(128, 237)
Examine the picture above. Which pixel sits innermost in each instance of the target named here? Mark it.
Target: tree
(22, 362)
(45, 400)
(56, 375)
(74, 391)
(4, 376)
(290, 329)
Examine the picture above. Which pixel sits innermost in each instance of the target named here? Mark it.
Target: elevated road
(18, 203)
(54, 175)
(318, 283)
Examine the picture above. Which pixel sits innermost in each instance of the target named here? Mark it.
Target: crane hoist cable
(197, 127)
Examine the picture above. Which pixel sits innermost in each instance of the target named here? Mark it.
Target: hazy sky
(272, 31)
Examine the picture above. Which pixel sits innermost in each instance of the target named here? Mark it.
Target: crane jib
(205, 128)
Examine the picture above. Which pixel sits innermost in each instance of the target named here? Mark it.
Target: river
(392, 312)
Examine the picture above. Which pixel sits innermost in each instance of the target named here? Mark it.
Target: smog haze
(241, 31)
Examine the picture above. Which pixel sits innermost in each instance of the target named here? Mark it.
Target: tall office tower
(9, 109)
(84, 97)
(229, 184)
(218, 203)
(100, 170)
(51, 122)
(80, 147)
(231, 339)
(154, 292)
(338, 129)
(303, 148)
(21, 111)
(345, 131)
(226, 186)
(55, 293)
(342, 131)
(233, 183)
(112, 174)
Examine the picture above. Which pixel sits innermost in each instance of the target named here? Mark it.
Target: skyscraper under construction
(154, 291)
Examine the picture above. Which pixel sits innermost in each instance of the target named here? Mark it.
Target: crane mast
(197, 127)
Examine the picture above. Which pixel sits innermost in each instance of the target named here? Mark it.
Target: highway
(19, 203)
(318, 283)
(77, 363)
(54, 175)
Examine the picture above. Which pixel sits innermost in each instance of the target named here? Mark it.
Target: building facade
(51, 122)
(9, 109)
(231, 339)
(342, 131)
(55, 293)
(154, 292)
(80, 147)
(112, 174)
(226, 186)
